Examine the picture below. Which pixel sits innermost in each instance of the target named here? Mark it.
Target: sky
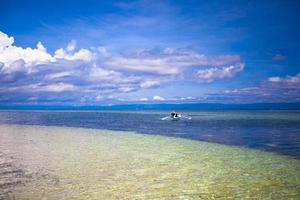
(114, 52)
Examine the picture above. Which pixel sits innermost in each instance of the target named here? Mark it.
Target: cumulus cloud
(5, 40)
(90, 73)
(82, 54)
(31, 57)
(10, 54)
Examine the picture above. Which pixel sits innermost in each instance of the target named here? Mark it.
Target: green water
(75, 163)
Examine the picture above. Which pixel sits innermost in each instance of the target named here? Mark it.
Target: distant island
(161, 106)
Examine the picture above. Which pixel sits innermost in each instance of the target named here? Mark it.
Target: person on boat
(174, 114)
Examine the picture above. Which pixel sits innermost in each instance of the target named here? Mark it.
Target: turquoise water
(274, 131)
(50, 162)
(125, 155)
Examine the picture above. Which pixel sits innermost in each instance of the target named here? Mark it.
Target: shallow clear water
(270, 130)
(46, 162)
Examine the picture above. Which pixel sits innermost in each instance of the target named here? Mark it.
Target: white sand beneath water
(76, 163)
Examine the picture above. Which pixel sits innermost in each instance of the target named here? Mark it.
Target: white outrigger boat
(175, 117)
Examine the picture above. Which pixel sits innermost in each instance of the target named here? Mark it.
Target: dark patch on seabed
(14, 175)
(10, 176)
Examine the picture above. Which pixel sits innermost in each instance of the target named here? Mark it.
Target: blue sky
(99, 52)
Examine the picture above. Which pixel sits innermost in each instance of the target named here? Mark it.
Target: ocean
(130, 154)
(275, 131)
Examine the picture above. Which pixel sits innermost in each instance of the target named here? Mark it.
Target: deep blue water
(265, 130)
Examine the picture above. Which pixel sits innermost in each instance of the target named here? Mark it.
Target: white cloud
(70, 54)
(158, 66)
(58, 75)
(169, 61)
(158, 98)
(82, 54)
(103, 52)
(94, 71)
(126, 88)
(54, 87)
(16, 66)
(274, 89)
(9, 54)
(274, 79)
(59, 87)
(293, 79)
(98, 97)
(288, 79)
(187, 98)
(144, 99)
(98, 73)
(149, 83)
(5, 41)
(211, 74)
